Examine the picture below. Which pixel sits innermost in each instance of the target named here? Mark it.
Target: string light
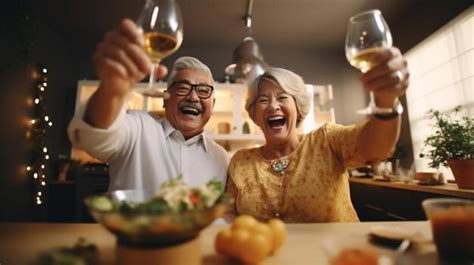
(38, 168)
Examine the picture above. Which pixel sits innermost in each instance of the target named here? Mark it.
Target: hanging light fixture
(247, 59)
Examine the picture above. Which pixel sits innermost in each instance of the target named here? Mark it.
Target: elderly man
(144, 152)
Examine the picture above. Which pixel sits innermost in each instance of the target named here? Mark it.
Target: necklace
(279, 165)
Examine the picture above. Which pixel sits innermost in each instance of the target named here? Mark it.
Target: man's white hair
(187, 62)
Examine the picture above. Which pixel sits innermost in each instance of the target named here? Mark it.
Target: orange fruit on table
(279, 232)
(262, 229)
(257, 248)
(244, 221)
(222, 241)
(238, 242)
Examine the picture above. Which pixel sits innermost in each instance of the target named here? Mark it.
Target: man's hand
(388, 79)
(120, 60)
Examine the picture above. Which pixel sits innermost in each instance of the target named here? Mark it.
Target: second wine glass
(162, 26)
(367, 34)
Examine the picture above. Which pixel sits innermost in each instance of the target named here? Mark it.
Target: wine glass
(162, 26)
(368, 33)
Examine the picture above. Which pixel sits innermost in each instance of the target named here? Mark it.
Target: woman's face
(275, 113)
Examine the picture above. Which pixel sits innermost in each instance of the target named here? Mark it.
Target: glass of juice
(452, 225)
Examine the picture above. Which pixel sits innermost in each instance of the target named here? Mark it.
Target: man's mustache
(189, 104)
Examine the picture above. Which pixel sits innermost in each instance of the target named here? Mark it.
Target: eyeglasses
(183, 88)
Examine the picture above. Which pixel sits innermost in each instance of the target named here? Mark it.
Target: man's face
(189, 114)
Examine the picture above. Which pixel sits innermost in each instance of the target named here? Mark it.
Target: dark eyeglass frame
(193, 87)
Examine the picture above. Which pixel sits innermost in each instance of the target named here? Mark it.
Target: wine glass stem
(152, 78)
(372, 99)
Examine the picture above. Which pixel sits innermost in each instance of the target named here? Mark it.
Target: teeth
(188, 110)
(275, 118)
(275, 121)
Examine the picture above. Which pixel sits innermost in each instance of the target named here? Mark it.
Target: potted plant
(452, 144)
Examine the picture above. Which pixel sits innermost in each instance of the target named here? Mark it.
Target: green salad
(173, 196)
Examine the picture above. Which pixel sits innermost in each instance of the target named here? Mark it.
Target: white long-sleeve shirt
(143, 152)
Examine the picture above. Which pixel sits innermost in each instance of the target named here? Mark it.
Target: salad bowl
(149, 218)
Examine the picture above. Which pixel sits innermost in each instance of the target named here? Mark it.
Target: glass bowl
(145, 230)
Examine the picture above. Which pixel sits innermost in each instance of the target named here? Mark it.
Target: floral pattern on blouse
(313, 188)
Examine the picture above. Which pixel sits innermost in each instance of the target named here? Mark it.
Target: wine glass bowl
(162, 27)
(367, 34)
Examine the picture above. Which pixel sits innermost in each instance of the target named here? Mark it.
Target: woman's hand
(388, 79)
(120, 59)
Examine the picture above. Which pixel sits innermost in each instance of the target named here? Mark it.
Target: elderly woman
(302, 177)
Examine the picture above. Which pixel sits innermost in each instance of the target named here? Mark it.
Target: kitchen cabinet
(397, 201)
(230, 124)
(226, 124)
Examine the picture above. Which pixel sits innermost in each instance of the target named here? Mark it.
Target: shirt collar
(173, 132)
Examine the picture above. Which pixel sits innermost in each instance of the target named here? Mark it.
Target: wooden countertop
(449, 189)
(22, 243)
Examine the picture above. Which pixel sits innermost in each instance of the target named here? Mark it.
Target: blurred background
(306, 36)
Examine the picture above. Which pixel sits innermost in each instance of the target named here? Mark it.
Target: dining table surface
(23, 243)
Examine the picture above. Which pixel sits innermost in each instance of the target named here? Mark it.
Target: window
(442, 76)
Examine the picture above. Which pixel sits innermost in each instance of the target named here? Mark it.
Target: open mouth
(190, 111)
(276, 121)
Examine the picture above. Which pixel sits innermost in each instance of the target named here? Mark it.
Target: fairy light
(38, 167)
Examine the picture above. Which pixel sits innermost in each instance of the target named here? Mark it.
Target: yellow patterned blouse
(313, 188)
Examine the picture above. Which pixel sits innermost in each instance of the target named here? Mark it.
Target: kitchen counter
(449, 189)
(22, 243)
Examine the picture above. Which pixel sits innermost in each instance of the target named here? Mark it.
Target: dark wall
(26, 42)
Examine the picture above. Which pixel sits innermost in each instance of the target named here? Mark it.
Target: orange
(244, 221)
(257, 248)
(262, 229)
(279, 232)
(239, 238)
(223, 239)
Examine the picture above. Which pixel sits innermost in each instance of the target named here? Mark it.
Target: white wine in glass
(367, 34)
(162, 26)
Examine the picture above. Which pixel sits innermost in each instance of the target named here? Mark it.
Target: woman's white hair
(290, 82)
(187, 62)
